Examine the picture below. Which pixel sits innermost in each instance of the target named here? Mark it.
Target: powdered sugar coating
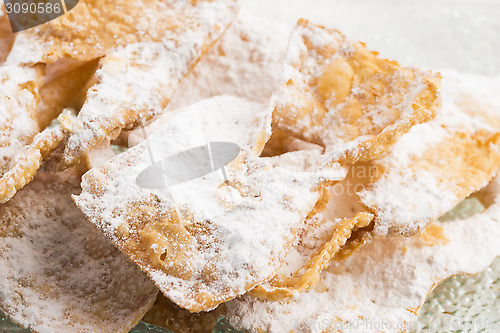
(240, 228)
(137, 80)
(336, 93)
(59, 273)
(470, 110)
(245, 62)
(17, 111)
(385, 283)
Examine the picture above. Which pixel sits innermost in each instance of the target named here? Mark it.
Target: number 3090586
(34, 8)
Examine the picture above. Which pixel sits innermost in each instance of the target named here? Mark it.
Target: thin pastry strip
(63, 91)
(19, 97)
(305, 278)
(336, 93)
(324, 235)
(27, 163)
(438, 164)
(204, 251)
(59, 273)
(137, 76)
(386, 281)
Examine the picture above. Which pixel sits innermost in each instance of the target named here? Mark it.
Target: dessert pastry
(246, 62)
(64, 90)
(144, 56)
(24, 151)
(166, 314)
(438, 164)
(386, 282)
(336, 93)
(209, 239)
(59, 273)
(240, 187)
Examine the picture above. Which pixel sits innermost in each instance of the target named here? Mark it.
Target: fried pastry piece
(214, 237)
(19, 97)
(67, 90)
(144, 57)
(438, 164)
(385, 282)
(24, 150)
(246, 62)
(95, 28)
(336, 93)
(337, 215)
(59, 273)
(166, 314)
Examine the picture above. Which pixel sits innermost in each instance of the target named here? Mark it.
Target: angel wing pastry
(59, 273)
(206, 240)
(386, 282)
(336, 93)
(438, 164)
(142, 55)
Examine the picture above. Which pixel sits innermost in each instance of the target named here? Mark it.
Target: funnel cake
(438, 164)
(336, 93)
(144, 56)
(59, 273)
(208, 240)
(385, 283)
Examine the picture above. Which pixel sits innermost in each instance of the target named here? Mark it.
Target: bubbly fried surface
(59, 273)
(96, 27)
(27, 164)
(439, 163)
(30, 150)
(336, 93)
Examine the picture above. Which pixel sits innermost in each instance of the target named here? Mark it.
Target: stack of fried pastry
(356, 187)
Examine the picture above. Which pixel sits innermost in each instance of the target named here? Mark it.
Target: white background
(460, 34)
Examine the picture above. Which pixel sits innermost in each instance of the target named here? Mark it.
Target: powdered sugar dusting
(17, 111)
(245, 62)
(244, 226)
(382, 284)
(470, 105)
(336, 93)
(59, 273)
(136, 81)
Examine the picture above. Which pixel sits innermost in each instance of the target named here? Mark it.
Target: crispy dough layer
(336, 93)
